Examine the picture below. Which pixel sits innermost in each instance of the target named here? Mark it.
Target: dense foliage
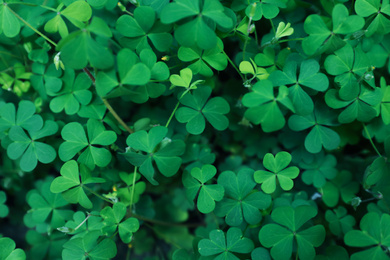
(194, 129)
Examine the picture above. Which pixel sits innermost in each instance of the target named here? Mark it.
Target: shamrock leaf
(46, 80)
(112, 220)
(289, 225)
(247, 67)
(28, 149)
(81, 224)
(76, 140)
(89, 246)
(71, 187)
(203, 61)
(184, 80)
(154, 146)
(277, 169)
(339, 222)
(10, 24)
(132, 75)
(197, 107)
(319, 169)
(18, 83)
(350, 66)
(374, 234)
(208, 193)
(143, 29)
(361, 107)
(320, 135)
(79, 49)
(263, 106)
(8, 251)
(74, 93)
(44, 203)
(200, 29)
(377, 13)
(385, 103)
(224, 246)
(256, 9)
(77, 13)
(309, 76)
(241, 201)
(45, 245)
(3, 208)
(130, 194)
(321, 38)
(283, 30)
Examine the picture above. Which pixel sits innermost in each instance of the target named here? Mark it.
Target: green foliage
(8, 251)
(4, 210)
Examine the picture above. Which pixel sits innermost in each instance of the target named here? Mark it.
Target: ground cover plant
(194, 129)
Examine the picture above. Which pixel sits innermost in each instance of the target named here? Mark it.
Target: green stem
(82, 223)
(273, 27)
(97, 195)
(372, 143)
(31, 27)
(132, 191)
(232, 63)
(289, 40)
(32, 4)
(173, 112)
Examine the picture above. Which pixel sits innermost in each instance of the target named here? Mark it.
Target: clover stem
(232, 63)
(32, 28)
(113, 235)
(369, 138)
(82, 223)
(97, 195)
(272, 25)
(132, 190)
(173, 112)
(289, 40)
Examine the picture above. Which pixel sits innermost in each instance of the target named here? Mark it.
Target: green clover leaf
(377, 13)
(289, 225)
(223, 246)
(203, 61)
(130, 194)
(112, 220)
(46, 80)
(321, 38)
(133, 75)
(241, 202)
(263, 106)
(200, 29)
(71, 187)
(374, 234)
(320, 135)
(247, 67)
(154, 146)
(18, 83)
(8, 251)
(77, 13)
(9, 24)
(76, 140)
(350, 66)
(89, 246)
(208, 193)
(47, 206)
(79, 49)
(28, 149)
(44, 245)
(256, 9)
(80, 224)
(309, 76)
(143, 29)
(277, 170)
(197, 107)
(385, 103)
(74, 93)
(3, 207)
(318, 169)
(339, 222)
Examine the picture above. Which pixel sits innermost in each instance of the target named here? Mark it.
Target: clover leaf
(28, 149)
(19, 82)
(203, 61)
(385, 103)
(247, 67)
(208, 193)
(130, 193)
(154, 146)
(46, 80)
(223, 246)
(112, 220)
(45, 245)
(290, 226)
(3, 207)
(143, 29)
(320, 135)
(241, 202)
(339, 222)
(321, 38)
(82, 224)
(256, 9)
(70, 186)
(76, 140)
(197, 107)
(89, 246)
(197, 30)
(74, 93)
(8, 251)
(46, 205)
(10, 24)
(277, 170)
(309, 76)
(133, 74)
(377, 14)
(374, 234)
(351, 67)
(263, 106)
